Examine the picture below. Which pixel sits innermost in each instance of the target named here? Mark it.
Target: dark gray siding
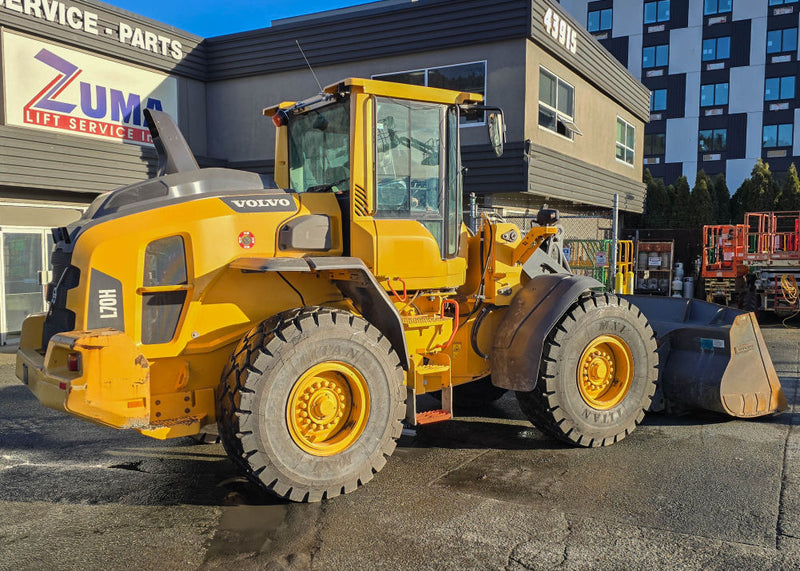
(592, 61)
(489, 174)
(366, 34)
(566, 178)
(192, 65)
(36, 159)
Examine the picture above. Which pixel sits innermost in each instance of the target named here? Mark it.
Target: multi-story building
(723, 77)
(75, 81)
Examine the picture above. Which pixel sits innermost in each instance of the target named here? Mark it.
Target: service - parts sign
(54, 88)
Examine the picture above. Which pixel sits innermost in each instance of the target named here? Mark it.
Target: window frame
(623, 144)
(712, 149)
(716, 49)
(658, 19)
(662, 136)
(782, 48)
(778, 129)
(780, 87)
(600, 27)
(655, 56)
(425, 70)
(653, 93)
(717, 10)
(715, 88)
(560, 117)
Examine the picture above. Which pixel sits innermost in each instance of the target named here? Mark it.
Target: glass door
(24, 254)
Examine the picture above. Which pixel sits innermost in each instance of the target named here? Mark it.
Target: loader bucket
(712, 357)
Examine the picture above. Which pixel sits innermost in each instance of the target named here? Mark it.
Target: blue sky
(216, 18)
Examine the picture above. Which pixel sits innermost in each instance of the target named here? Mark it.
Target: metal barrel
(712, 357)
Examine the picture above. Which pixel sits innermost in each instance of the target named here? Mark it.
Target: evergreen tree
(789, 197)
(738, 200)
(672, 199)
(700, 207)
(721, 201)
(681, 209)
(763, 190)
(657, 204)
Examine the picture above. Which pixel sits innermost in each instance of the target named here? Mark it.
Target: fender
(356, 283)
(534, 311)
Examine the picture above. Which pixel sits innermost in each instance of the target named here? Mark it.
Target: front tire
(598, 373)
(311, 404)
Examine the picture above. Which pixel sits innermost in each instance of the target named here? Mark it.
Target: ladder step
(431, 416)
(431, 369)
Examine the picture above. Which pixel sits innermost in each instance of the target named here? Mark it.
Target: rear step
(437, 366)
(432, 416)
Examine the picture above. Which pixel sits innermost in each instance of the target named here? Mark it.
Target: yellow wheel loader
(305, 315)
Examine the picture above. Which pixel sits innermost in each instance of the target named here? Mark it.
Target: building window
(717, 48)
(713, 94)
(656, 11)
(778, 135)
(712, 140)
(711, 7)
(655, 143)
(655, 56)
(469, 77)
(626, 139)
(556, 104)
(779, 41)
(658, 100)
(781, 2)
(778, 88)
(600, 20)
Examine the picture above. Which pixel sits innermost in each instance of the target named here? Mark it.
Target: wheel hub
(605, 372)
(328, 408)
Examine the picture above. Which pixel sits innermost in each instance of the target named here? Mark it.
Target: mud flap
(712, 357)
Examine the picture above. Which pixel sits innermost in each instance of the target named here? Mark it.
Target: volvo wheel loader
(305, 315)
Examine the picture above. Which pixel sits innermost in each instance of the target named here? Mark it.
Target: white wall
(681, 140)
(692, 94)
(746, 93)
(736, 171)
(758, 39)
(754, 124)
(696, 11)
(685, 45)
(577, 9)
(635, 56)
(746, 9)
(628, 17)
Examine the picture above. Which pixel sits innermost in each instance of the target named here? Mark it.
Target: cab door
(417, 213)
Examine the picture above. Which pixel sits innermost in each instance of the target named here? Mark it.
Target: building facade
(77, 75)
(723, 77)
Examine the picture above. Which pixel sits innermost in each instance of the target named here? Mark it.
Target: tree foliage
(701, 210)
(721, 200)
(789, 196)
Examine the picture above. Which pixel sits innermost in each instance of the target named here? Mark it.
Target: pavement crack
(458, 467)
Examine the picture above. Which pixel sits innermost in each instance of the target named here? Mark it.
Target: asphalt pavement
(480, 492)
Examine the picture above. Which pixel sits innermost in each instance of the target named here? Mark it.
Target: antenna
(309, 65)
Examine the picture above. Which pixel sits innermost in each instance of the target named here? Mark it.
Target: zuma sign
(54, 88)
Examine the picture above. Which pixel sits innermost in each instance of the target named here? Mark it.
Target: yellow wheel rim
(605, 372)
(328, 408)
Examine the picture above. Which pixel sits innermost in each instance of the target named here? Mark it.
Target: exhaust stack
(174, 154)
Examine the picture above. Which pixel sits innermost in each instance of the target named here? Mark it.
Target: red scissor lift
(773, 256)
(724, 248)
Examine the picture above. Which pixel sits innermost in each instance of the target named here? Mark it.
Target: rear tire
(311, 404)
(598, 373)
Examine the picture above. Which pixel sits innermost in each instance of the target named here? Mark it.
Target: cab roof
(391, 89)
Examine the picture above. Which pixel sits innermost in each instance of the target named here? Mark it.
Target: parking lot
(489, 491)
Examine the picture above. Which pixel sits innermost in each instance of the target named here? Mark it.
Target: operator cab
(389, 153)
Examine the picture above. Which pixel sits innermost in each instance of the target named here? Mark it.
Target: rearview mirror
(497, 131)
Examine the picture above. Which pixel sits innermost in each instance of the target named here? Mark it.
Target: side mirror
(497, 131)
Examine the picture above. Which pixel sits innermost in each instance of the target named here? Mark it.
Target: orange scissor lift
(722, 260)
(773, 255)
